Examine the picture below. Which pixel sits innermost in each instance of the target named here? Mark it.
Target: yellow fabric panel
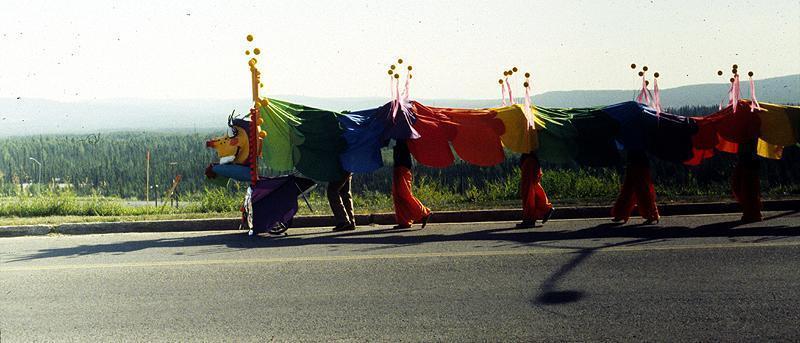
(771, 151)
(776, 125)
(518, 137)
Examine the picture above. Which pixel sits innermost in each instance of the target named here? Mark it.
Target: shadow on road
(387, 238)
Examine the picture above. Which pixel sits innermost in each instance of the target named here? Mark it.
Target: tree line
(113, 164)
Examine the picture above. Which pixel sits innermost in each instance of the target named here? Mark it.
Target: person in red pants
(535, 205)
(637, 191)
(407, 208)
(745, 182)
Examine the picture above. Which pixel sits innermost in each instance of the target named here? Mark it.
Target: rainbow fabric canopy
(323, 144)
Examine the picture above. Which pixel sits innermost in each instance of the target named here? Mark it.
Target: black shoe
(425, 219)
(650, 222)
(619, 220)
(526, 224)
(344, 227)
(400, 227)
(548, 215)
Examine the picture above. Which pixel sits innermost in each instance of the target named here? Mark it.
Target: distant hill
(36, 116)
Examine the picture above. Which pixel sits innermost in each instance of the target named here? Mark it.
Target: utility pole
(147, 181)
(40, 168)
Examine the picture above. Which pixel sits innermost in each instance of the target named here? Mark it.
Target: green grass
(565, 187)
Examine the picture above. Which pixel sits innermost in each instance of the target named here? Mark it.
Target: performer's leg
(408, 209)
(623, 206)
(543, 205)
(527, 193)
(347, 198)
(335, 201)
(646, 195)
(750, 189)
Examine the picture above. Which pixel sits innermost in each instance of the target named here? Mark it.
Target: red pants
(534, 200)
(637, 189)
(747, 190)
(407, 208)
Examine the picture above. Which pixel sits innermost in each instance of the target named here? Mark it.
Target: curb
(221, 224)
(25, 230)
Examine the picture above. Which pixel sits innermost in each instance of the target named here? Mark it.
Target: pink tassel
(503, 90)
(657, 96)
(644, 94)
(395, 95)
(753, 101)
(531, 122)
(510, 97)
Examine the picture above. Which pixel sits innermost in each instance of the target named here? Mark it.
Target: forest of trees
(113, 164)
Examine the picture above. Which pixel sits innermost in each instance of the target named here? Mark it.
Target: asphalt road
(691, 278)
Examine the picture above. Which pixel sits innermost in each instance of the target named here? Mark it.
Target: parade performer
(535, 205)
(407, 208)
(637, 191)
(745, 182)
(341, 201)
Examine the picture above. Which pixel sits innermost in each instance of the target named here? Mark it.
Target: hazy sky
(83, 50)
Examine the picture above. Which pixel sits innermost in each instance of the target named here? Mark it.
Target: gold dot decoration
(396, 76)
(500, 81)
(262, 134)
(505, 73)
(260, 85)
(750, 73)
(257, 51)
(527, 75)
(409, 68)
(644, 68)
(399, 61)
(514, 69)
(391, 72)
(732, 80)
(410, 76)
(641, 73)
(734, 71)
(656, 75)
(633, 65)
(525, 85)
(735, 66)
(646, 83)
(392, 67)
(719, 72)
(249, 38)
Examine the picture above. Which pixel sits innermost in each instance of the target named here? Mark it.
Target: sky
(89, 50)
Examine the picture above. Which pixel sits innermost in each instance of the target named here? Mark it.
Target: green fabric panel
(308, 139)
(557, 139)
(279, 147)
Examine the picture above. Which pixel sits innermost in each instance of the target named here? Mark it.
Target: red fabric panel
(436, 131)
(723, 131)
(477, 135)
(407, 208)
(534, 200)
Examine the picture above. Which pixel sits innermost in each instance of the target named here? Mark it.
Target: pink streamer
(528, 103)
(503, 90)
(510, 97)
(644, 94)
(753, 101)
(657, 97)
(735, 93)
(393, 86)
